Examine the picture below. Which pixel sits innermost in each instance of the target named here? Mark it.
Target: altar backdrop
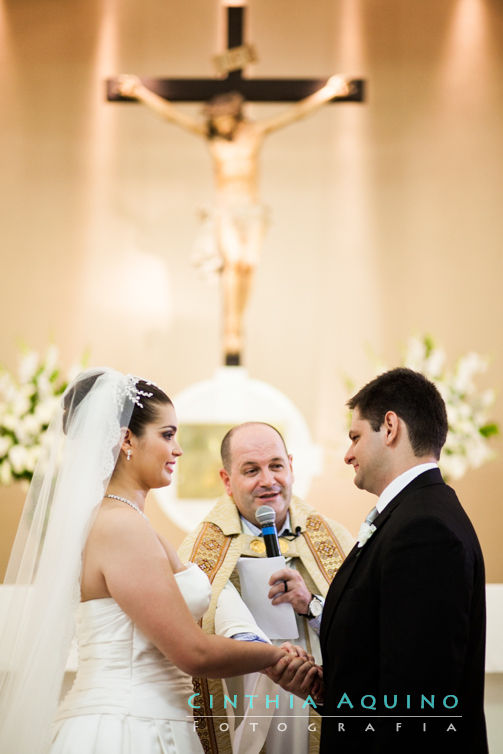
(385, 216)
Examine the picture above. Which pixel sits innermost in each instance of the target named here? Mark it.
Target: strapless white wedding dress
(127, 698)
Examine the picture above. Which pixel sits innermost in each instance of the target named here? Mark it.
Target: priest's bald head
(257, 470)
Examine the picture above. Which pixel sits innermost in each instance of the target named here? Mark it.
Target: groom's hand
(317, 689)
(287, 585)
(296, 675)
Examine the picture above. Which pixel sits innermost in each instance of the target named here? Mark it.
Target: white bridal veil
(43, 576)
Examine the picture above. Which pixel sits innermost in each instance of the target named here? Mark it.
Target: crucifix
(238, 221)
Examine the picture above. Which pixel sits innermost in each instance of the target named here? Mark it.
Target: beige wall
(386, 217)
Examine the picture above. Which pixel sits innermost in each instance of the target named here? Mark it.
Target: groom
(404, 618)
(403, 626)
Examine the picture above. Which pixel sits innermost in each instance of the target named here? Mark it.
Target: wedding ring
(285, 585)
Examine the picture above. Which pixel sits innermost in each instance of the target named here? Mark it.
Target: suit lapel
(343, 575)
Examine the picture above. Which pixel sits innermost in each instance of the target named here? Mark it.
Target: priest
(257, 470)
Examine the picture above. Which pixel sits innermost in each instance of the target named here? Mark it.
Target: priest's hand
(287, 585)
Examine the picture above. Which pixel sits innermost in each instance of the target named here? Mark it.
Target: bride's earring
(128, 455)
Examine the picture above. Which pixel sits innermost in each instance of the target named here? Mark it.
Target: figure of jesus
(239, 218)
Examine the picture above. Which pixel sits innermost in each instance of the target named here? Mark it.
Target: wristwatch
(314, 608)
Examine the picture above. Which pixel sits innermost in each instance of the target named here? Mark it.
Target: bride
(86, 556)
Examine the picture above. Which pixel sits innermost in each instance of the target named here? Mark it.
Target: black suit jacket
(405, 617)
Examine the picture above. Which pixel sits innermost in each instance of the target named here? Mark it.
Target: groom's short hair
(414, 399)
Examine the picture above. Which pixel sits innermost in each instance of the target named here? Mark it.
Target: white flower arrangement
(467, 407)
(27, 404)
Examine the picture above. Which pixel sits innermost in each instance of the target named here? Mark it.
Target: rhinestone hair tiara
(132, 391)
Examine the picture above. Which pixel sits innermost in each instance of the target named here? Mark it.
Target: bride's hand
(294, 649)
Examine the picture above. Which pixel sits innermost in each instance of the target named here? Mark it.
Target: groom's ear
(392, 427)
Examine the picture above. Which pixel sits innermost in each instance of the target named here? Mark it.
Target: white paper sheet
(277, 621)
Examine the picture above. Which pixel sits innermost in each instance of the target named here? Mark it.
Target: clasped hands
(297, 673)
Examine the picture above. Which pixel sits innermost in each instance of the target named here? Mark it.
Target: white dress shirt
(400, 482)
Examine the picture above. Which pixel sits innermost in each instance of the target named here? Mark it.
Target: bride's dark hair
(142, 415)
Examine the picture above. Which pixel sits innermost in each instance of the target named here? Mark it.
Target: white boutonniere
(366, 531)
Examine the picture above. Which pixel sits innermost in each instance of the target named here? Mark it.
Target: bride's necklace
(128, 502)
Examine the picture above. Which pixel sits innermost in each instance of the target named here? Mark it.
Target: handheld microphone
(266, 517)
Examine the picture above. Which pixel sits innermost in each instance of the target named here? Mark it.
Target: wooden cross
(253, 90)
